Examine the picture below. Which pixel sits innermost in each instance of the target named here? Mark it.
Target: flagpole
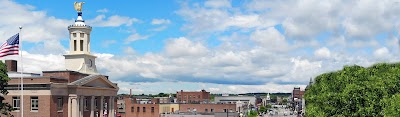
(22, 71)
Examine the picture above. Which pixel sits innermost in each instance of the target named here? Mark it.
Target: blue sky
(223, 46)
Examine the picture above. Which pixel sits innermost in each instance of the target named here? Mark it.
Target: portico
(92, 96)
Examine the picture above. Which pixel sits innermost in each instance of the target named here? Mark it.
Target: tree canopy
(5, 108)
(356, 91)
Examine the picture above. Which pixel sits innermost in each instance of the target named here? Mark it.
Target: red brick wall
(193, 97)
(135, 113)
(44, 106)
(36, 80)
(70, 75)
(53, 109)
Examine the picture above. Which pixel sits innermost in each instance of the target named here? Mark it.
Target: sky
(222, 46)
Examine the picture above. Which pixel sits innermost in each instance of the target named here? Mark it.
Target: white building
(240, 101)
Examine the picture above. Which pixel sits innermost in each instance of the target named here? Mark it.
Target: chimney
(130, 92)
(11, 65)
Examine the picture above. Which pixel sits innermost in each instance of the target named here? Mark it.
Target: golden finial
(78, 6)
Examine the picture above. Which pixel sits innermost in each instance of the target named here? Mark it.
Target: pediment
(98, 81)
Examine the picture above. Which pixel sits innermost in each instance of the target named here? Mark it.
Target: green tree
(355, 91)
(284, 101)
(5, 108)
(252, 113)
(262, 109)
(392, 106)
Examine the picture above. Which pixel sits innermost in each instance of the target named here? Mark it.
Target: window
(16, 103)
(152, 109)
(212, 110)
(60, 104)
(81, 45)
(188, 109)
(132, 109)
(138, 109)
(34, 103)
(144, 109)
(95, 103)
(74, 45)
(206, 110)
(82, 35)
(86, 104)
(74, 34)
(225, 110)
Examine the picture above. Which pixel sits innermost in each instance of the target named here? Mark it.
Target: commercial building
(142, 106)
(192, 97)
(77, 91)
(297, 99)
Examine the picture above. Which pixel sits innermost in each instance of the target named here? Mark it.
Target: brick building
(193, 97)
(136, 107)
(297, 93)
(77, 91)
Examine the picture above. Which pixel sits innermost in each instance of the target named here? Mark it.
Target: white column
(109, 107)
(69, 106)
(92, 107)
(112, 106)
(81, 104)
(101, 106)
(74, 105)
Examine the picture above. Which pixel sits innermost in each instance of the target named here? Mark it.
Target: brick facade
(193, 97)
(132, 109)
(48, 89)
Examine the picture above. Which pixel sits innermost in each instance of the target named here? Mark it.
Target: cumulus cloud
(202, 19)
(322, 53)
(38, 27)
(135, 37)
(217, 3)
(182, 47)
(112, 21)
(381, 52)
(160, 21)
(270, 38)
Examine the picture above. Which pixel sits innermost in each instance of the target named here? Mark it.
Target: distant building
(169, 108)
(193, 97)
(242, 102)
(297, 98)
(266, 100)
(297, 93)
(138, 107)
(151, 107)
(279, 100)
(206, 108)
(247, 100)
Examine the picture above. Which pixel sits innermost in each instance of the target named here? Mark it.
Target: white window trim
(19, 103)
(37, 102)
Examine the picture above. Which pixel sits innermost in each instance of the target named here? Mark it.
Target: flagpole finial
(20, 27)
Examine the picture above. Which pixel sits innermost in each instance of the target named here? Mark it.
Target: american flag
(10, 47)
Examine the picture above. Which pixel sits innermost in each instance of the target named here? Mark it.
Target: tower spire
(79, 57)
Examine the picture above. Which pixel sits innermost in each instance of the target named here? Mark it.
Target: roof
(85, 80)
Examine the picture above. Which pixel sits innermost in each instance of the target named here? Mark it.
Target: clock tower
(79, 57)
